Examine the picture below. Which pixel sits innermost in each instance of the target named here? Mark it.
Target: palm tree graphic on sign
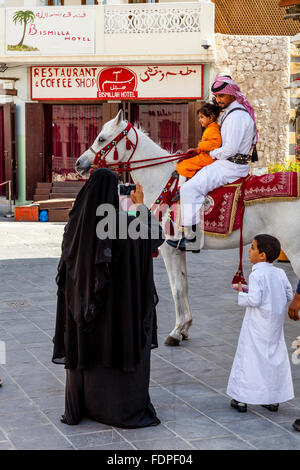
(24, 17)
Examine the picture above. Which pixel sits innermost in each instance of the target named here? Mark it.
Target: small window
(89, 2)
(142, 1)
(54, 2)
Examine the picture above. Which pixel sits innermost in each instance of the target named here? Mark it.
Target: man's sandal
(273, 407)
(238, 405)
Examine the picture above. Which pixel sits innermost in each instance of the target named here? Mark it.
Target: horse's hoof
(170, 341)
(184, 336)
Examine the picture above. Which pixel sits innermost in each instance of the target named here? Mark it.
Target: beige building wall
(260, 65)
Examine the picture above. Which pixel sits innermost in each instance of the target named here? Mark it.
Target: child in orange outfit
(211, 139)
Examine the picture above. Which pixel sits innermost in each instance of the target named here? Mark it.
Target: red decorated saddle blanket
(222, 206)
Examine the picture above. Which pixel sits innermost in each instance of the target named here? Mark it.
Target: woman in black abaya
(106, 319)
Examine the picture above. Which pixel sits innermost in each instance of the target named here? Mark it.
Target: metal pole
(10, 213)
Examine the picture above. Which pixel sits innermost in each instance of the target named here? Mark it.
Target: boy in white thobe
(261, 373)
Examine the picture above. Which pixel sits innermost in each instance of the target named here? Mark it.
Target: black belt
(240, 159)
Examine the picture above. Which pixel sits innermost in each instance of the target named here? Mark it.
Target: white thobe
(261, 372)
(237, 134)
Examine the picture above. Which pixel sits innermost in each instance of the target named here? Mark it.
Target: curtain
(74, 129)
(2, 156)
(166, 123)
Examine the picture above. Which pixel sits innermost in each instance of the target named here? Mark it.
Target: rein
(120, 167)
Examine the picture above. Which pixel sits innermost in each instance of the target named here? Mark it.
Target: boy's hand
(137, 196)
(294, 308)
(240, 289)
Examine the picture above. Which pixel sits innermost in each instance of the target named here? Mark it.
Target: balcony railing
(152, 18)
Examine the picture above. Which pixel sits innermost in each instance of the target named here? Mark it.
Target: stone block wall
(260, 65)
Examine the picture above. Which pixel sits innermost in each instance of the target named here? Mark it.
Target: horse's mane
(139, 127)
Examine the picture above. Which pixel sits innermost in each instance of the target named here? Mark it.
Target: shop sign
(138, 82)
(50, 31)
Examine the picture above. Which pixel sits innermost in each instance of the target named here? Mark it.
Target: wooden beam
(9, 78)
(288, 3)
(5, 91)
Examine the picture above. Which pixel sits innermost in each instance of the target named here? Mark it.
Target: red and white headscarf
(224, 85)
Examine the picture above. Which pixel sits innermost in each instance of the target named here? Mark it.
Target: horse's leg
(172, 259)
(188, 319)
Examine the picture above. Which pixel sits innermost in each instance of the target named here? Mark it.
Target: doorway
(2, 160)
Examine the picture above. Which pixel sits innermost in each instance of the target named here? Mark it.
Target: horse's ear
(119, 118)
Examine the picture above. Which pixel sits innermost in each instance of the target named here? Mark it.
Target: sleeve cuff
(243, 299)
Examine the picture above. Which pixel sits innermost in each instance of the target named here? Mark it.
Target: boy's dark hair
(208, 109)
(268, 245)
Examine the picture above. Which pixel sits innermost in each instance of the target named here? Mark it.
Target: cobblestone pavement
(188, 383)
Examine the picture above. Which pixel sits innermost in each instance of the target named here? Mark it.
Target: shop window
(74, 129)
(89, 2)
(166, 124)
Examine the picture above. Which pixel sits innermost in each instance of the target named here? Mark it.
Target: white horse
(280, 219)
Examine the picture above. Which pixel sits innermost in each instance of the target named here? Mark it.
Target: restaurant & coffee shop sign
(117, 82)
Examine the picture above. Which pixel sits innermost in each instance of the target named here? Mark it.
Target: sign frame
(99, 99)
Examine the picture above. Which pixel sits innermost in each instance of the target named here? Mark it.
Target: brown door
(10, 145)
(34, 113)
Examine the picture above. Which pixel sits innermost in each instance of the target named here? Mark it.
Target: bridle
(120, 167)
(100, 157)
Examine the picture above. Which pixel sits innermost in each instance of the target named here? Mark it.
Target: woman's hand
(137, 196)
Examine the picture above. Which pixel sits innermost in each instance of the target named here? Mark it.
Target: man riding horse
(239, 135)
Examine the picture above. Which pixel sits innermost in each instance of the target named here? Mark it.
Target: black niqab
(106, 292)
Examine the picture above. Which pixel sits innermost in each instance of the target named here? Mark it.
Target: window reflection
(54, 2)
(74, 129)
(166, 124)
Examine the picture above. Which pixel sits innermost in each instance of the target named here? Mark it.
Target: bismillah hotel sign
(50, 31)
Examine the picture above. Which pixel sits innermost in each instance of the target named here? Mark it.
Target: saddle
(222, 211)
(223, 206)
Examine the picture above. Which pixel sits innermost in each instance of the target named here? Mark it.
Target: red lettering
(32, 30)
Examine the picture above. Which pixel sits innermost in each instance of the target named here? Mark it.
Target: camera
(125, 189)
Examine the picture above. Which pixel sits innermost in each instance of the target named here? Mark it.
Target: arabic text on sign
(153, 71)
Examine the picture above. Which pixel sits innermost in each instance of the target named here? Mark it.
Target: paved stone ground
(188, 383)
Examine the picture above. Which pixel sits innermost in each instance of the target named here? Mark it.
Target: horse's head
(108, 132)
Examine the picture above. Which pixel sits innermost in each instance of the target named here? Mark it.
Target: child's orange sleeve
(211, 140)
